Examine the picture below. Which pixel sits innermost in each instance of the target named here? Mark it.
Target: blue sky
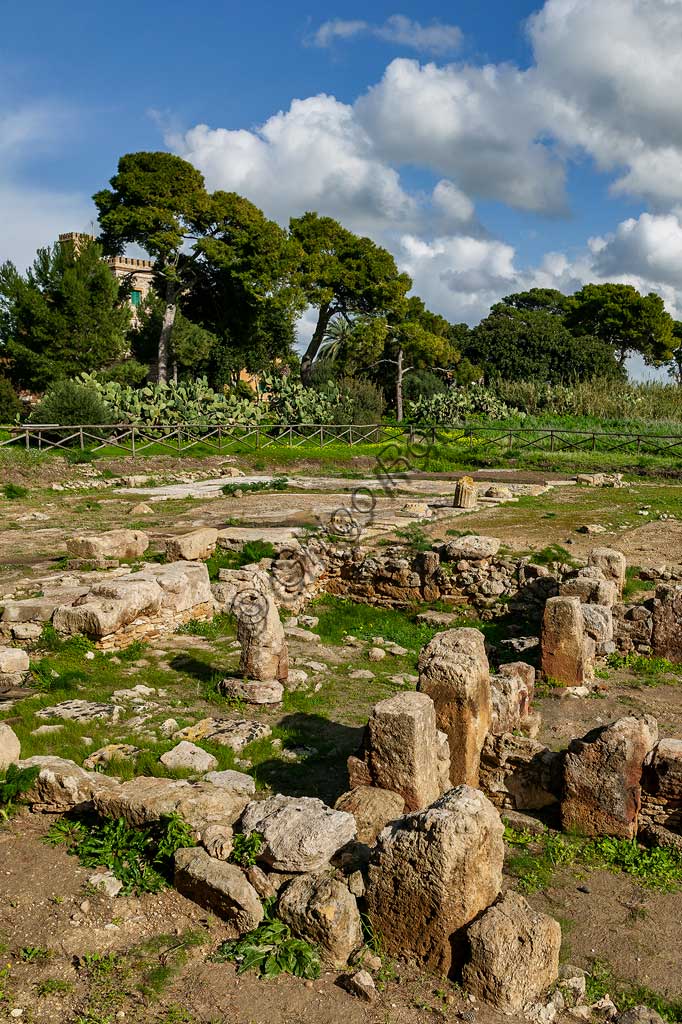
(492, 146)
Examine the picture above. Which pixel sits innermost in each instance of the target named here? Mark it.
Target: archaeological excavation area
(357, 748)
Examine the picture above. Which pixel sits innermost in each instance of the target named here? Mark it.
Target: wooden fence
(178, 439)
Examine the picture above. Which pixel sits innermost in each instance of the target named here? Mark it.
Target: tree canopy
(621, 317)
(67, 314)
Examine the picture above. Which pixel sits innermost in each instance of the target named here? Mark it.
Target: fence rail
(133, 439)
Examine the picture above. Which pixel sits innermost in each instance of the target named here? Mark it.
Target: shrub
(271, 950)
(361, 402)
(13, 491)
(458, 404)
(10, 406)
(69, 402)
(17, 781)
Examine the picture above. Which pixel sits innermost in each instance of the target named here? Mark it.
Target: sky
(491, 145)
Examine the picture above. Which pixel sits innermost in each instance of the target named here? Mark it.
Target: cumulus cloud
(316, 155)
(436, 37)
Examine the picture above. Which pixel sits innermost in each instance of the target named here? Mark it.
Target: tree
(548, 300)
(192, 346)
(244, 285)
(518, 344)
(422, 338)
(343, 275)
(68, 314)
(675, 367)
(156, 201)
(624, 319)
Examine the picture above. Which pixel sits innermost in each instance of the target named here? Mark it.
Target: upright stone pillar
(454, 672)
(567, 651)
(466, 493)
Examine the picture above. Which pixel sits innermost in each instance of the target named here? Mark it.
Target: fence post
(132, 440)
(80, 434)
(321, 436)
(28, 445)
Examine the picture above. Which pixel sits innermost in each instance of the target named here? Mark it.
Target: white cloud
(314, 156)
(436, 38)
(478, 126)
(33, 216)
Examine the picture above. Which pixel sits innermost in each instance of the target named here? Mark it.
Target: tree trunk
(399, 387)
(313, 348)
(167, 329)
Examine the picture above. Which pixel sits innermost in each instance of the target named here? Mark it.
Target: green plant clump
(17, 781)
(14, 491)
(279, 483)
(140, 858)
(245, 848)
(414, 537)
(271, 950)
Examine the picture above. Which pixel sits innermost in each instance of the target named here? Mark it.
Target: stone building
(139, 273)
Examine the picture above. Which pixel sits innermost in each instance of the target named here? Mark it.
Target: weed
(250, 552)
(414, 537)
(601, 981)
(634, 583)
(656, 868)
(271, 950)
(245, 848)
(220, 625)
(163, 956)
(32, 954)
(17, 781)
(551, 554)
(140, 858)
(53, 987)
(279, 483)
(654, 671)
(133, 652)
(14, 491)
(100, 963)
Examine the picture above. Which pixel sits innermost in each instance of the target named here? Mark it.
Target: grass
(13, 492)
(649, 671)
(250, 552)
(656, 868)
(634, 584)
(602, 981)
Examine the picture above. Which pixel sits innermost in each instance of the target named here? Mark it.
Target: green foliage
(657, 868)
(623, 319)
(634, 584)
(458, 404)
(53, 987)
(64, 316)
(595, 401)
(250, 552)
(271, 950)
(245, 848)
(191, 401)
(140, 858)
(602, 981)
(32, 954)
(14, 491)
(414, 537)
(552, 554)
(652, 671)
(72, 403)
(16, 782)
(279, 483)
(10, 406)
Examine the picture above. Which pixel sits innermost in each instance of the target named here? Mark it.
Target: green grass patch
(602, 981)
(280, 483)
(655, 868)
(14, 491)
(651, 671)
(250, 552)
(634, 584)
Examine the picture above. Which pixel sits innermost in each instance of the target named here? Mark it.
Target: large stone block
(259, 630)
(300, 834)
(113, 544)
(662, 785)
(13, 661)
(403, 749)
(432, 873)
(473, 547)
(519, 773)
(566, 649)
(64, 786)
(218, 886)
(322, 910)
(372, 809)
(602, 778)
(10, 747)
(454, 672)
(666, 638)
(466, 493)
(192, 547)
(108, 606)
(514, 954)
(611, 562)
(145, 799)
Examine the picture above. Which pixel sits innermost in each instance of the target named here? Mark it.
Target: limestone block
(372, 809)
(10, 747)
(432, 873)
(218, 886)
(322, 910)
(565, 650)
(300, 834)
(611, 562)
(113, 544)
(454, 672)
(192, 547)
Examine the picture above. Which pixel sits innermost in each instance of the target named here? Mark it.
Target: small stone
(362, 673)
(168, 728)
(376, 654)
(106, 882)
(188, 755)
(361, 984)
